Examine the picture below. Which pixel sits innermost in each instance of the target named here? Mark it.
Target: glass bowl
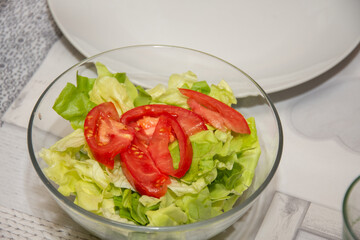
(148, 65)
(351, 211)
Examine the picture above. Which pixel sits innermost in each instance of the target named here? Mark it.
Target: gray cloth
(27, 34)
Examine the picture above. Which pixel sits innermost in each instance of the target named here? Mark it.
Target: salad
(164, 156)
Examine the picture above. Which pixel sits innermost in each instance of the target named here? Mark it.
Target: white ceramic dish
(280, 43)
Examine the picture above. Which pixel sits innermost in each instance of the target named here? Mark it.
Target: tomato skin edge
(153, 184)
(158, 147)
(232, 119)
(119, 139)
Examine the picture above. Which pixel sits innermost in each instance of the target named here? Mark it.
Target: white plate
(280, 43)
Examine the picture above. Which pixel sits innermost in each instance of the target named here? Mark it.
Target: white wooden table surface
(321, 153)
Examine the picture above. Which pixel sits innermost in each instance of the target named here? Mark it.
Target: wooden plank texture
(283, 218)
(323, 220)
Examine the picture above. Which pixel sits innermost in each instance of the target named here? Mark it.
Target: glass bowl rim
(184, 227)
(344, 207)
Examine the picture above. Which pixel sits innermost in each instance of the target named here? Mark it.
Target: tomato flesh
(147, 127)
(191, 122)
(213, 117)
(148, 124)
(142, 173)
(231, 118)
(159, 143)
(105, 134)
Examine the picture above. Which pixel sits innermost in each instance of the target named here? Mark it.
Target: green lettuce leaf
(143, 97)
(171, 94)
(197, 207)
(84, 84)
(219, 191)
(88, 196)
(167, 216)
(110, 93)
(73, 104)
(178, 80)
(108, 210)
(181, 188)
(247, 152)
(229, 203)
(205, 146)
(91, 171)
(223, 93)
(60, 170)
(148, 201)
(108, 89)
(130, 207)
(201, 86)
(75, 140)
(221, 206)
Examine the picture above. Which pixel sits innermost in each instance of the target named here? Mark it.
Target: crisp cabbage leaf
(167, 216)
(223, 93)
(108, 89)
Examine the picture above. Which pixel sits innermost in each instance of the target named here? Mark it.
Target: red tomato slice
(141, 172)
(231, 118)
(213, 117)
(191, 122)
(159, 143)
(105, 134)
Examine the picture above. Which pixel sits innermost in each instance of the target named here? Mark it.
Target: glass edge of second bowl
(346, 222)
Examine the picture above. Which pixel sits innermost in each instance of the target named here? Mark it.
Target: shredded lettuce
(143, 97)
(167, 216)
(75, 139)
(181, 188)
(197, 207)
(130, 208)
(88, 195)
(171, 95)
(201, 86)
(222, 168)
(223, 93)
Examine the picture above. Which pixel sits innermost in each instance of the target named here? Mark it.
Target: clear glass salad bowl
(148, 65)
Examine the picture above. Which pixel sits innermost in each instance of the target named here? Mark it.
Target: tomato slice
(159, 143)
(142, 173)
(191, 122)
(213, 117)
(105, 134)
(231, 118)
